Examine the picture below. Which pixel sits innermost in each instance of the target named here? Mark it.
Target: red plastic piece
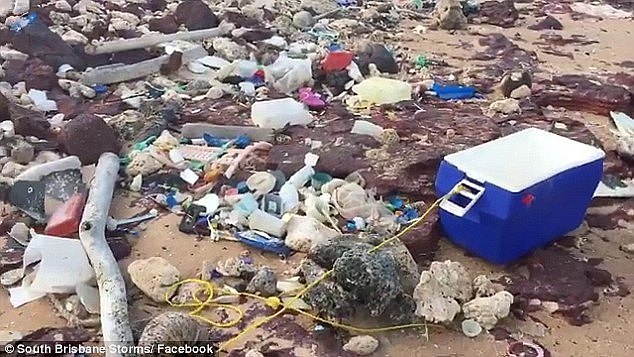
(65, 221)
(336, 61)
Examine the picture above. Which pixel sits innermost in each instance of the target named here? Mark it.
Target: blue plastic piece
(171, 201)
(452, 91)
(272, 244)
(396, 202)
(334, 47)
(502, 226)
(26, 21)
(256, 80)
(100, 88)
(242, 141)
(213, 141)
(409, 214)
(242, 187)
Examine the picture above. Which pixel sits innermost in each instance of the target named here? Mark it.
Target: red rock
(88, 136)
(498, 13)
(577, 92)
(29, 122)
(166, 24)
(195, 15)
(39, 75)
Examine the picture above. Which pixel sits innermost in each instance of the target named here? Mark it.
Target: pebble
(628, 248)
(471, 328)
(303, 20)
(154, 276)
(195, 15)
(362, 345)
(550, 306)
(254, 353)
(264, 282)
(22, 152)
(521, 92)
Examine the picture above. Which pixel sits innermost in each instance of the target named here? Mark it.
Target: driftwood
(120, 73)
(156, 39)
(115, 324)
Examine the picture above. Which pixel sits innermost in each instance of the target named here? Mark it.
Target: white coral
(484, 287)
(488, 310)
(440, 289)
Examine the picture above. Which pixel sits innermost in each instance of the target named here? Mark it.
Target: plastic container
(267, 223)
(521, 192)
(65, 221)
(277, 113)
(379, 90)
(336, 61)
(452, 91)
(319, 179)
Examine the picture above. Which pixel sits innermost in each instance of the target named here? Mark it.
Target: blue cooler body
(519, 193)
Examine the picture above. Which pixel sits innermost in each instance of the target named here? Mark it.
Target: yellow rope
(274, 302)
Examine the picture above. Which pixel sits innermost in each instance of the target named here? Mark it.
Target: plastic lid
(523, 159)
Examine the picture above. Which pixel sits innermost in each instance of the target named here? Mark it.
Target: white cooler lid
(523, 159)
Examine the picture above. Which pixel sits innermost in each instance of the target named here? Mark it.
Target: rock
(11, 277)
(195, 15)
(63, 6)
(142, 163)
(185, 293)
(498, 13)
(514, 80)
(363, 345)
(175, 329)
(521, 92)
(303, 20)
(87, 136)
(165, 24)
(580, 93)
(488, 310)
(327, 297)
(370, 278)
(264, 282)
(11, 169)
(237, 267)
(228, 49)
(154, 276)
(627, 248)
(484, 287)
(440, 289)
(449, 16)
(504, 106)
(22, 152)
(304, 232)
(471, 328)
(550, 306)
(377, 54)
(319, 6)
(547, 23)
(28, 122)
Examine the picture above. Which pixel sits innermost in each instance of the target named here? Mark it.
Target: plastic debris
(377, 90)
(63, 265)
(278, 113)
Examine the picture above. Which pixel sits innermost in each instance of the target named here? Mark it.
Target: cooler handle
(473, 197)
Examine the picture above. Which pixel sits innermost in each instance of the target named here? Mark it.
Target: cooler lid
(523, 159)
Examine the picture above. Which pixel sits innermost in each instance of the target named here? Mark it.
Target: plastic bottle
(262, 221)
(277, 113)
(289, 196)
(378, 90)
(65, 221)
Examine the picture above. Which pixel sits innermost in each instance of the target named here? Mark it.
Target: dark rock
(547, 23)
(556, 275)
(509, 55)
(37, 40)
(559, 40)
(88, 136)
(627, 64)
(240, 20)
(131, 56)
(264, 282)
(39, 75)
(29, 122)
(120, 247)
(156, 5)
(15, 71)
(327, 297)
(134, 9)
(166, 24)
(498, 13)
(128, 33)
(513, 80)
(577, 92)
(195, 15)
(370, 278)
(377, 54)
(610, 220)
(173, 64)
